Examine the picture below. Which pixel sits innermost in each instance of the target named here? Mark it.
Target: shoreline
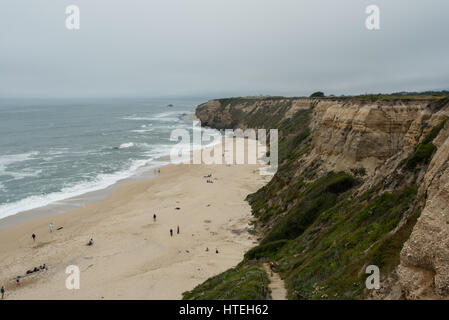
(133, 257)
(75, 202)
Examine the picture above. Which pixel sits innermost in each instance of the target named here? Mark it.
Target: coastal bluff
(362, 181)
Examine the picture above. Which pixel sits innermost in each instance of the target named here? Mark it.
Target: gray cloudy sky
(221, 47)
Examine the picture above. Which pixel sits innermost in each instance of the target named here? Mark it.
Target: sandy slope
(133, 257)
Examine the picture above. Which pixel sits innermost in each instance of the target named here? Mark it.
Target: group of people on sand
(36, 269)
(50, 226)
(171, 231)
(208, 176)
(28, 272)
(216, 250)
(42, 267)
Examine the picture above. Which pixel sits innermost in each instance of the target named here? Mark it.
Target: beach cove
(133, 256)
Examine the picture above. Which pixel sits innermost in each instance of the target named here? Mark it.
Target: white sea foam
(142, 130)
(126, 145)
(102, 181)
(7, 160)
(172, 116)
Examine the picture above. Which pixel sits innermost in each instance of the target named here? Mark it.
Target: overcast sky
(219, 48)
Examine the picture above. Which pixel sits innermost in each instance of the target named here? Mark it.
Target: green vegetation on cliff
(245, 282)
(424, 150)
(321, 230)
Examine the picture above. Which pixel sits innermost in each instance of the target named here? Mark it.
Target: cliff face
(424, 268)
(393, 181)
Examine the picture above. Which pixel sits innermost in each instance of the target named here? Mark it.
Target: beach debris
(60, 228)
(177, 208)
(187, 251)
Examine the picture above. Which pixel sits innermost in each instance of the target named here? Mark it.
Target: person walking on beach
(34, 237)
(177, 231)
(51, 227)
(2, 291)
(154, 217)
(171, 232)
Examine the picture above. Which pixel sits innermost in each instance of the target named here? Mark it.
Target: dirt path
(278, 291)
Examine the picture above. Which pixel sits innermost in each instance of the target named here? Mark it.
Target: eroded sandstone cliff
(383, 166)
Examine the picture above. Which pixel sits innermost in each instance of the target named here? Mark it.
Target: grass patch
(244, 282)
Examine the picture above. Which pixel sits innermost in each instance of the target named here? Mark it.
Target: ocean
(52, 150)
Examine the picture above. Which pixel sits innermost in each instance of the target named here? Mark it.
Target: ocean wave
(142, 130)
(10, 159)
(26, 173)
(102, 181)
(126, 145)
(172, 116)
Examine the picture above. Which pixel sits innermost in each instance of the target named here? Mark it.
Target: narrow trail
(278, 291)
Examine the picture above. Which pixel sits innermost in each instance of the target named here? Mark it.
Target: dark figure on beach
(154, 217)
(216, 251)
(2, 291)
(207, 249)
(91, 242)
(33, 236)
(171, 232)
(177, 231)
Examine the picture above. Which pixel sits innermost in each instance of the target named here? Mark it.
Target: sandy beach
(134, 257)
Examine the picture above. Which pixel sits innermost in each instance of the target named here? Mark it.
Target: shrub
(422, 154)
(317, 94)
(266, 250)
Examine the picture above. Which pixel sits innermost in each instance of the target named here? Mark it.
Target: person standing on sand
(34, 237)
(171, 232)
(2, 291)
(154, 217)
(177, 230)
(51, 227)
